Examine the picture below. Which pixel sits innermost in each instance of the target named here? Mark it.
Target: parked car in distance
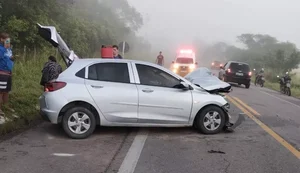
(236, 72)
(120, 92)
(216, 65)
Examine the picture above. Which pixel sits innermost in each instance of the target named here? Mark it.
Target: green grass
(295, 85)
(24, 96)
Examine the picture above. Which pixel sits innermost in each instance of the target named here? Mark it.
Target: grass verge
(275, 86)
(24, 96)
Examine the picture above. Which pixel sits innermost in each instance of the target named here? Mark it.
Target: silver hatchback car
(110, 92)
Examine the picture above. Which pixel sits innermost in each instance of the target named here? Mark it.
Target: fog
(171, 23)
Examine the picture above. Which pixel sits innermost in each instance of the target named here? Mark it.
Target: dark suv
(236, 72)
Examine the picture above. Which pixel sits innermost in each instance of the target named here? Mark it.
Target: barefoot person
(6, 66)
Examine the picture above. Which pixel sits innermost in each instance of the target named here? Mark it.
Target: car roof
(238, 62)
(87, 61)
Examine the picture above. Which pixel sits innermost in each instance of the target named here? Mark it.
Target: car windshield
(240, 66)
(184, 60)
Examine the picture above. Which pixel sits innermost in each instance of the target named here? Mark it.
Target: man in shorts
(6, 66)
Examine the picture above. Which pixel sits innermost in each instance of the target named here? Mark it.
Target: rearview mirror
(183, 86)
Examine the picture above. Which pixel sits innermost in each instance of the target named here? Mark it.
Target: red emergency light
(186, 51)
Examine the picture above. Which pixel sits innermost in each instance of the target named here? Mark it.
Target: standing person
(51, 70)
(116, 52)
(160, 59)
(6, 66)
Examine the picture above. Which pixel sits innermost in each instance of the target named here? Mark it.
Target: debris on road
(213, 151)
(232, 126)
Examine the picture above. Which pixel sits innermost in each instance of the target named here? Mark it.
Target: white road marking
(280, 99)
(63, 154)
(134, 152)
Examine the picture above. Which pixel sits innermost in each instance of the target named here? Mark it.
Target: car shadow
(58, 132)
(237, 86)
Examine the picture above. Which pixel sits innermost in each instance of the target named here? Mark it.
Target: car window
(155, 77)
(240, 66)
(109, 72)
(81, 73)
(183, 60)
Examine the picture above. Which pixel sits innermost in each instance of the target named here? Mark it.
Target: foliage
(84, 25)
(262, 51)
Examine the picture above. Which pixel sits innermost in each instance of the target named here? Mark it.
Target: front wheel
(79, 123)
(262, 84)
(211, 120)
(288, 91)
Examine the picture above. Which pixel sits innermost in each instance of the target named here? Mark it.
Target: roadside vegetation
(262, 51)
(84, 25)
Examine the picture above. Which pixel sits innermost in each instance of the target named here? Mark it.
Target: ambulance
(184, 63)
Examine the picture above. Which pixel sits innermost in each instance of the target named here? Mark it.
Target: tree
(84, 25)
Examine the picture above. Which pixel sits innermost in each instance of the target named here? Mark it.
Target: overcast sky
(218, 20)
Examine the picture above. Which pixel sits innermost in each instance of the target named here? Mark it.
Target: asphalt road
(268, 141)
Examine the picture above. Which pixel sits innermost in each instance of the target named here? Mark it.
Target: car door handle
(96, 86)
(147, 90)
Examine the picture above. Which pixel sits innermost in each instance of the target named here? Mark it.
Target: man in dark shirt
(116, 52)
(160, 59)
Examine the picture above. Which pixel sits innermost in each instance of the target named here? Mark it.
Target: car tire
(247, 86)
(90, 121)
(202, 119)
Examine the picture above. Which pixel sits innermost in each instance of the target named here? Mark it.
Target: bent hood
(212, 84)
(50, 34)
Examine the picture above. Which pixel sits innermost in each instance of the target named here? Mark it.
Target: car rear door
(159, 103)
(112, 87)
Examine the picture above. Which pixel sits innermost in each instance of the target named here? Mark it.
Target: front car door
(112, 87)
(159, 101)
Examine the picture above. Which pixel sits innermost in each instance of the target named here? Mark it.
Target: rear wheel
(210, 120)
(79, 123)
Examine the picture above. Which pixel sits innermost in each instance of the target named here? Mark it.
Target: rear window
(239, 66)
(184, 60)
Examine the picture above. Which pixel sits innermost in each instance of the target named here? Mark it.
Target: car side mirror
(184, 86)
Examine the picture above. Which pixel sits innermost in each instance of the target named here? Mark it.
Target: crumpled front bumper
(229, 125)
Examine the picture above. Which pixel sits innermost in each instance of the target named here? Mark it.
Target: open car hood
(212, 84)
(50, 34)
